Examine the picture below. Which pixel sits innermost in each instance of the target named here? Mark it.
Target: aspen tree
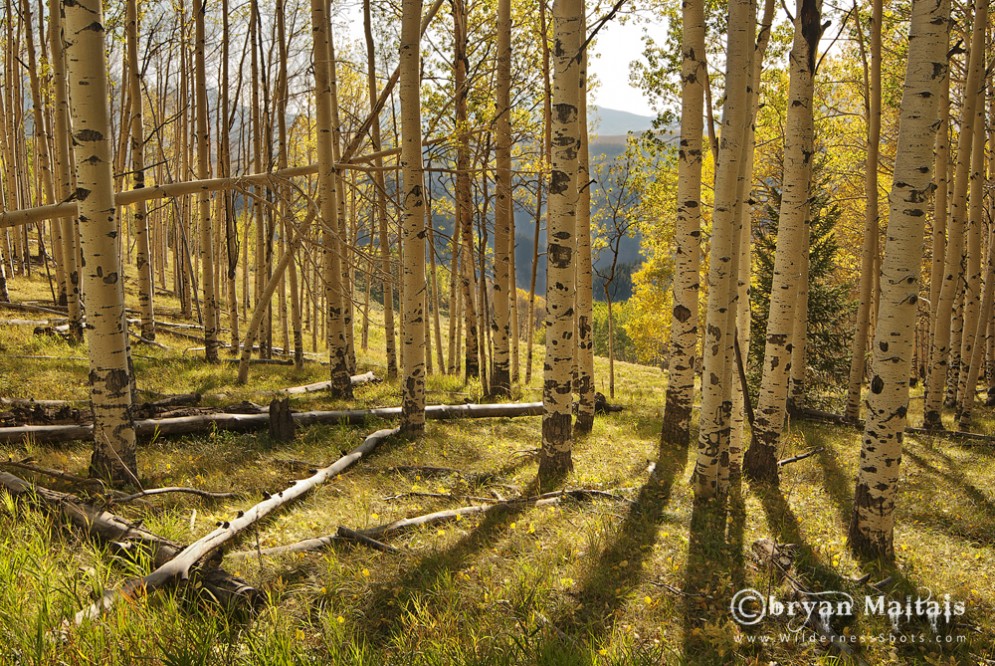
(103, 279)
(584, 283)
(204, 198)
(547, 99)
(568, 26)
(712, 465)
(64, 169)
(43, 163)
(760, 461)
(224, 171)
(412, 222)
(463, 234)
(743, 332)
(940, 211)
(972, 283)
(502, 290)
(341, 385)
(140, 223)
(869, 249)
(687, 232)
(379, 196)
(940, 349)
(872, 527)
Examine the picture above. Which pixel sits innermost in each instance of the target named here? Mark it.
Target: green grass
(597, 582)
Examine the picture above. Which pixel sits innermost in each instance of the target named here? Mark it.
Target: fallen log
(123, 537)
(179, 566)
(355, 380)
(24, 307)
(801, 456)
(61, 475)
(207, 494)
(430, 519)
(31, 402)
(187, 425)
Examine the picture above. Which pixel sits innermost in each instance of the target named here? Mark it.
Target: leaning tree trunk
(412, 222)
(103, 278)
(712, 465)
(760, 461)
(503, 289)
(568, 26)
(871, 530)
(940, 350)
(341, 387)
(941, 169)
(687, 234)
(872, 111)
(583, 270)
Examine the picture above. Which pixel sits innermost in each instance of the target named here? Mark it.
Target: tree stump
(281, 420)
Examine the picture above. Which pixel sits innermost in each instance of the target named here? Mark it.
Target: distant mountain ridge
(614, 122)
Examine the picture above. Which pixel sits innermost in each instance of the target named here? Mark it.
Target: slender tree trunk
(341, 387)
(547, 100)
(380, 197)
(500, 384)
(712, 467)
(107, 333)
(139, 219)
(64, 170)
(228, 198)
(464, 200)
(743, 332)
(611, 344)
(568, 28)
(204, 199)
(760, 461)
(687, 233)
(972, 283)
(412, 221)
(940, 349)
(799, 331)
(584, 282)
(871, 530)
(872, 113)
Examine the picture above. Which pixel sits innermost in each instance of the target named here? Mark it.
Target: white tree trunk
(712, 466)
(791, 258)
(103, 279)
(940, 349)
(687, 234)
(871, 530)
(503, 286)
(412, 223)
(568, 27)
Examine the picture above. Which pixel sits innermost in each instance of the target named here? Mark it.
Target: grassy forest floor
(644, 581)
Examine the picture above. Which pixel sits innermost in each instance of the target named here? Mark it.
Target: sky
(618, 45)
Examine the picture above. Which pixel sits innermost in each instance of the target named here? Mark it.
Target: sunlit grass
(599, 582)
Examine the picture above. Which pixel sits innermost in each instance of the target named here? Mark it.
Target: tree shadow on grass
(817, 576)
(714, 566)
(978, 527)
(385, 610)
(616, 570)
